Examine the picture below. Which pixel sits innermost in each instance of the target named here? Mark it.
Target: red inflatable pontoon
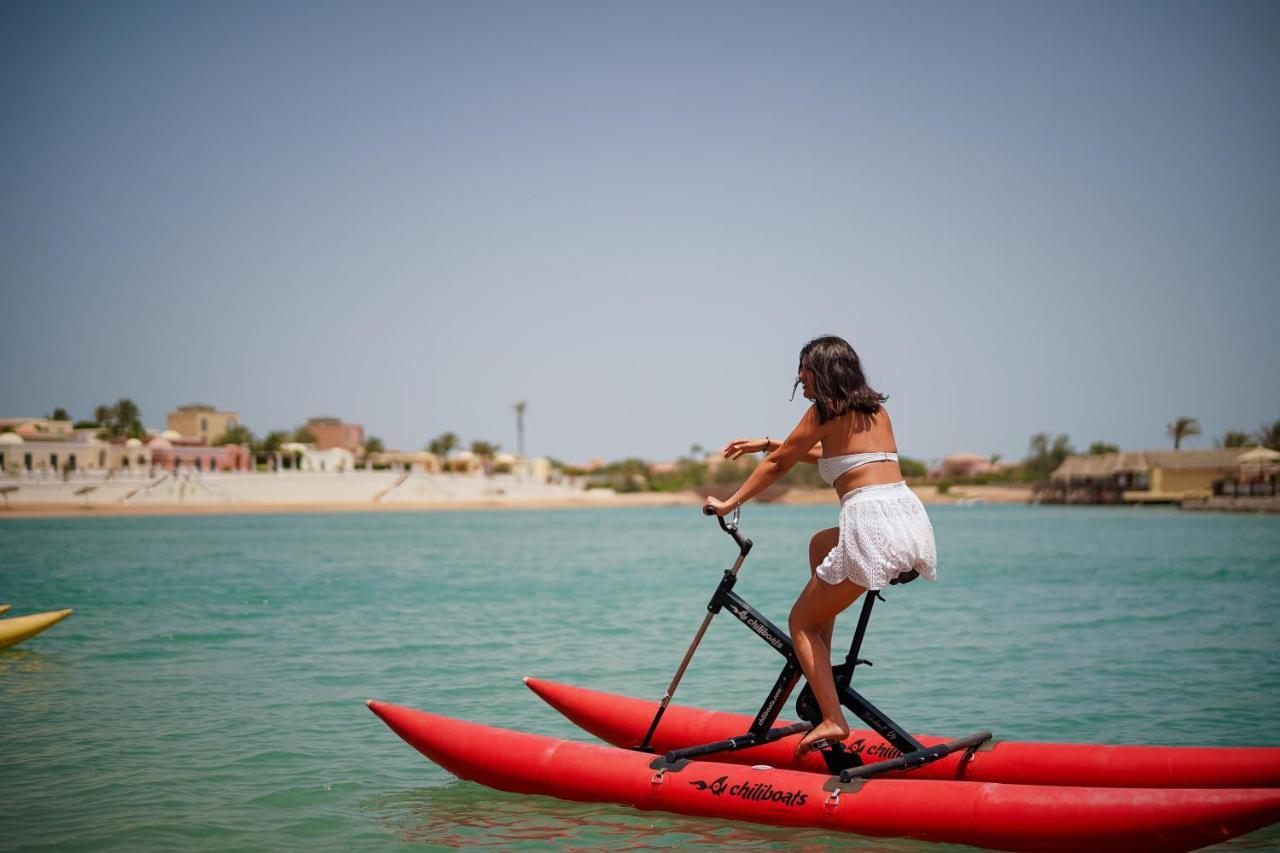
(1001, 817)
(623, 721)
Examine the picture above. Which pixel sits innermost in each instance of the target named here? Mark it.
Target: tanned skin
(813, 616)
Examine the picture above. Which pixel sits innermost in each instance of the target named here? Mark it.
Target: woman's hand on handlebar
(717, 507)
(739, 446)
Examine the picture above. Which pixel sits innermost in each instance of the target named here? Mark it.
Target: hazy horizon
(1027, 218)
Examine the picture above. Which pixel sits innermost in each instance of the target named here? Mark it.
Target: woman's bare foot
(822, 735)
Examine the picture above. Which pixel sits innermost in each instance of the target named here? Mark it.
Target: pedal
(822, 744)
(838, 758)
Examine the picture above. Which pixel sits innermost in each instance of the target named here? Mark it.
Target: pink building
(171, 454)
(964, 465)
(332, 432)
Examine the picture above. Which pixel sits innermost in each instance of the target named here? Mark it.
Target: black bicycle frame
(761, 730)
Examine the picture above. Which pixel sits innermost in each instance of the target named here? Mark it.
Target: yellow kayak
(19, 628)
(4, 607)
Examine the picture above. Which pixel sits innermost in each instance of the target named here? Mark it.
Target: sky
(1025, 216)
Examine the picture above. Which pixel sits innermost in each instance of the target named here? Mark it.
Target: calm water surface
(209, 691)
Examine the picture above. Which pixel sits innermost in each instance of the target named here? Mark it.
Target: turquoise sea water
(208, 693)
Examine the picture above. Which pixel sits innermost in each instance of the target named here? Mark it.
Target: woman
(883, 532)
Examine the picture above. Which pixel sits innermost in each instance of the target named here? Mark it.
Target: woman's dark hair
(839, 385)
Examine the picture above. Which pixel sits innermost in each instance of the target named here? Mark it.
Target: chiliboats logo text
(761, 792)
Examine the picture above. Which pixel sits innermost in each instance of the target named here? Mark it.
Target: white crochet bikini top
(831, 467)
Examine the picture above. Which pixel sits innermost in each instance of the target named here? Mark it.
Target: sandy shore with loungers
(357, 491)
(365, 491)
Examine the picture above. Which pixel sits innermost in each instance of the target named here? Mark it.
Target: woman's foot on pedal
(821, 736)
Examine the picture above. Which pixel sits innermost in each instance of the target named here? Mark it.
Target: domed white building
(334, 460)
(41, 452)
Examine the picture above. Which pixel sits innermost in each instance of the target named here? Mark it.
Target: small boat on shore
(995, 816)
(623, 721)
(18, 628)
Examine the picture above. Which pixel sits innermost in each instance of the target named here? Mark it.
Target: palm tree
(443, 444)
(1233, 438)
(1047, 455)
(238, 434)
(519, 408)
(1269, 435)
(484, 449)
(128, 413)
(123, 420)
(1182, 428)
(272, 441)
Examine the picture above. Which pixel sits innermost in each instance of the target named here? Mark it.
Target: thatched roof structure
(1103, 465)
(1100, 465)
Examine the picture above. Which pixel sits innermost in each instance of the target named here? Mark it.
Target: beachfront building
(173, 452)
(1146, 476)
(464, 462)
(53, 448)
(306, 457)
(129, 455)
(198, 420)
(537, 469)
(34, 447)
(964, 465)
(48, 455)
(332, 432)
(418, 462)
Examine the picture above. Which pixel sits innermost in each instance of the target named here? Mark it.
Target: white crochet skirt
(884, 531)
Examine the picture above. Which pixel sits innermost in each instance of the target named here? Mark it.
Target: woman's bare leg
(819, 546)
(816, 609)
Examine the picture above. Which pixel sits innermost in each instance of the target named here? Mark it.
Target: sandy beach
(348, 494)
(587, 500)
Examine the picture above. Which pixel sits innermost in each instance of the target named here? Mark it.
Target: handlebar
(731, 527)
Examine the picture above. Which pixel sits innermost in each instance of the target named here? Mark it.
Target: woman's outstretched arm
(796, 446)
(766, 445)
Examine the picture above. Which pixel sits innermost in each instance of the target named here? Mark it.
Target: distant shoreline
(62, 510)
(794, 497)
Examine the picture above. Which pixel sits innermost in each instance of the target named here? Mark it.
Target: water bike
(839, 760)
